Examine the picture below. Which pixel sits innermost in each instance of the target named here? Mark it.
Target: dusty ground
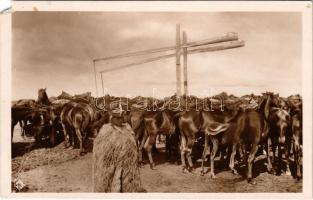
(63, 170)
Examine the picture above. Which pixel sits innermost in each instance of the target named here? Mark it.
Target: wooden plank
(139, 62)
(231, 45)
(219, 47)
(225, 38)
(178, 72)
(185, 63)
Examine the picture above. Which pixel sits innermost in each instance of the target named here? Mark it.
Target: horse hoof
(201, 173)
(298, 178)
(212, 176)
(273, 172)
(184, 169)
(234, 172)
(152, 165)
(190, 169)
(82, 153)
(251, 181)
(288, 173)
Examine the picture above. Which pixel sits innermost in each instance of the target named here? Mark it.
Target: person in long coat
(115, 157)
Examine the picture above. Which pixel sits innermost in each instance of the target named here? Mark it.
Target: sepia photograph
(158, 102)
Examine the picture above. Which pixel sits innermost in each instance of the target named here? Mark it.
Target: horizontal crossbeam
(226, 38)
(229, 45)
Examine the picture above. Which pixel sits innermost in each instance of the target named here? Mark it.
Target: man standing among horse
(115, 157)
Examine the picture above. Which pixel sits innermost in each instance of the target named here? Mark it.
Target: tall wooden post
(94, 69)
(185, 63)
(178, 72)
(102, 84)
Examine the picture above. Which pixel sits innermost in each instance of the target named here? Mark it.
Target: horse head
(280, 119)
(265, 104)
(43, 97)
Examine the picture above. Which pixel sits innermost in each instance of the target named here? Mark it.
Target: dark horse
(75, 118)
(156, 123)
(296, 127)
(43, 97)
(247, 129)
(18, 108)
(36, 116)
(19, 113)
(279, 135)
(80, 119)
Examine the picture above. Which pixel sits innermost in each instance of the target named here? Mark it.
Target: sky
(55, 50)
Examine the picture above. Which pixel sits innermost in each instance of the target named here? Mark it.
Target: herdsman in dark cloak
(115, 157)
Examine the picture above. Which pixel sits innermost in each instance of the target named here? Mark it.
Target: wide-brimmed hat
(117, 111)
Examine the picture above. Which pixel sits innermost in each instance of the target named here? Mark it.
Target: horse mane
(264, 106)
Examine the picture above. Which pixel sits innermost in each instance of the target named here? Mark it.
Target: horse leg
(253, 151)
(183, 146)
(190, 144)
(142, 143)
(232, 159)
(168, 150)
(84, 133)
(274, 160)
(168, 147)
(212, 156)
(22, 128)
(229, 152)
(73, 139)
(66, 136)
(222, 151)
(243, 148)
(287, 151)
(204, 153)
(268, 150)
(296, 151)
(148, 147)
(79, 136)
(279, 158)
(12, 130)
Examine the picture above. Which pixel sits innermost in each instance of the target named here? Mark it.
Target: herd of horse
(235, 127)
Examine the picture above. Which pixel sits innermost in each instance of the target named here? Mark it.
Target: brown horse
(279, 122)
(76, 117)
(28, 104)
(296, 127)
(279, 131)
(18, 114)
(65, 117)
(80, 120)
(247, 129)
(156, 123)
(43, 97)
(36, 117)
(192, 122)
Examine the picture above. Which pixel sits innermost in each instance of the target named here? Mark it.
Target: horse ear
(45, 89)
